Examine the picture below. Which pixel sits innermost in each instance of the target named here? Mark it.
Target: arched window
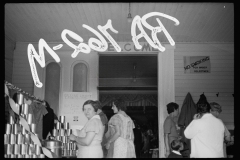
(80, 74)
(52, 85)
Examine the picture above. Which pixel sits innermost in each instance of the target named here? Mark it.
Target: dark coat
(188, 110)
(48, 122)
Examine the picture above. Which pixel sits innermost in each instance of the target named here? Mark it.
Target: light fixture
(129, 18)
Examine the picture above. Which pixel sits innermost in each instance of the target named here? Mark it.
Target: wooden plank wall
(9, 49)
(221, 78)
(22, 76)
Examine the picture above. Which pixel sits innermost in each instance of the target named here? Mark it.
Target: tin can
(27, 156)
(69, 132)
(15, 128)
(37, 149)
(25, 109)
(20, 98)
(74, 146)
(58, 125)
(31, 149)
(8, 148)
(62, 131)
(24, 131)
(12, 139)
(23, 149)
(19, 139)
(29, 118)
(66, 125)
(13, 156)
(33, 128)
(41, 156)
(27, 139)
(8, 128)
(55, 132)
(7, 155)
(34, 156)
(11, 120)
(6, 138)
(62, 119)
(16, 149)
(19, 156)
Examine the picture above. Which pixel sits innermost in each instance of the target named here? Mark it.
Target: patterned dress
(123, 146)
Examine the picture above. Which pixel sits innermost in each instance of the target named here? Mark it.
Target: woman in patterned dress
(120, 136)
(90, 138)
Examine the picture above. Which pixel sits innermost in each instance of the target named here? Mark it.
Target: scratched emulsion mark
(40, 59)
(138, 21)
(101, 45)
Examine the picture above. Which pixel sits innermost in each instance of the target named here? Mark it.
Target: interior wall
(8, 59)
(22, 76)
(221, 78)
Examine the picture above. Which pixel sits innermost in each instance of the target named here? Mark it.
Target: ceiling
(199, 22)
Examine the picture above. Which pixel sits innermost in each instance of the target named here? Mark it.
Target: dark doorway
(134, 79)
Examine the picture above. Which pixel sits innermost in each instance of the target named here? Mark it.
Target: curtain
(130, 99)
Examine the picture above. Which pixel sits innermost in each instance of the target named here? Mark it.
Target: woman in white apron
(89, 141)
(120, 134)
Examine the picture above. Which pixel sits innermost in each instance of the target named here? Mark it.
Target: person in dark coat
(48, 121)
(188, 110)
(176, 146)
(137, 139)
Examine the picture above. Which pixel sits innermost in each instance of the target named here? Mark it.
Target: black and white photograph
(119, 80)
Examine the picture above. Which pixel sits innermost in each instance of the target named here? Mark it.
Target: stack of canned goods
(17, 140)
(61, 132)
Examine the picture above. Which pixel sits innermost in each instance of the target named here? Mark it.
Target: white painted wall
(221, 78)
(9, 49)
(22, 74)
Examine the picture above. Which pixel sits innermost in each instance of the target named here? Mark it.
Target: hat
(215, 107)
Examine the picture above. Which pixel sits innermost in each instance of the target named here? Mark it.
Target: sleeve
(167, 125)
(192, 129)
(226, 132)
(116, 121)
(93, 126)
(133, 125)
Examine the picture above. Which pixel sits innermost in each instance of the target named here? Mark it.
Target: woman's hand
(107, 145)
(72, 137)
(196, 116)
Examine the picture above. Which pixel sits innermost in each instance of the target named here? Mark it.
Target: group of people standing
(206, 131)
(100, 138)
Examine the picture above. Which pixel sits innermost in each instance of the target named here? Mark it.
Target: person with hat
(216, 109)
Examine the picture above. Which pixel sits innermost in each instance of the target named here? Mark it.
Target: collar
(95, 116)
(207, 115)
(176, 152)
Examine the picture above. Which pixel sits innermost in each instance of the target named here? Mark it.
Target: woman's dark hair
(94, 104)
(47, 104)
(203, 108)
(171, 107)
(99, 104)
(120, 104)
(175, 145)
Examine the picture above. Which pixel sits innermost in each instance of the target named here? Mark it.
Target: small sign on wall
(197, 64)
(72, 107)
